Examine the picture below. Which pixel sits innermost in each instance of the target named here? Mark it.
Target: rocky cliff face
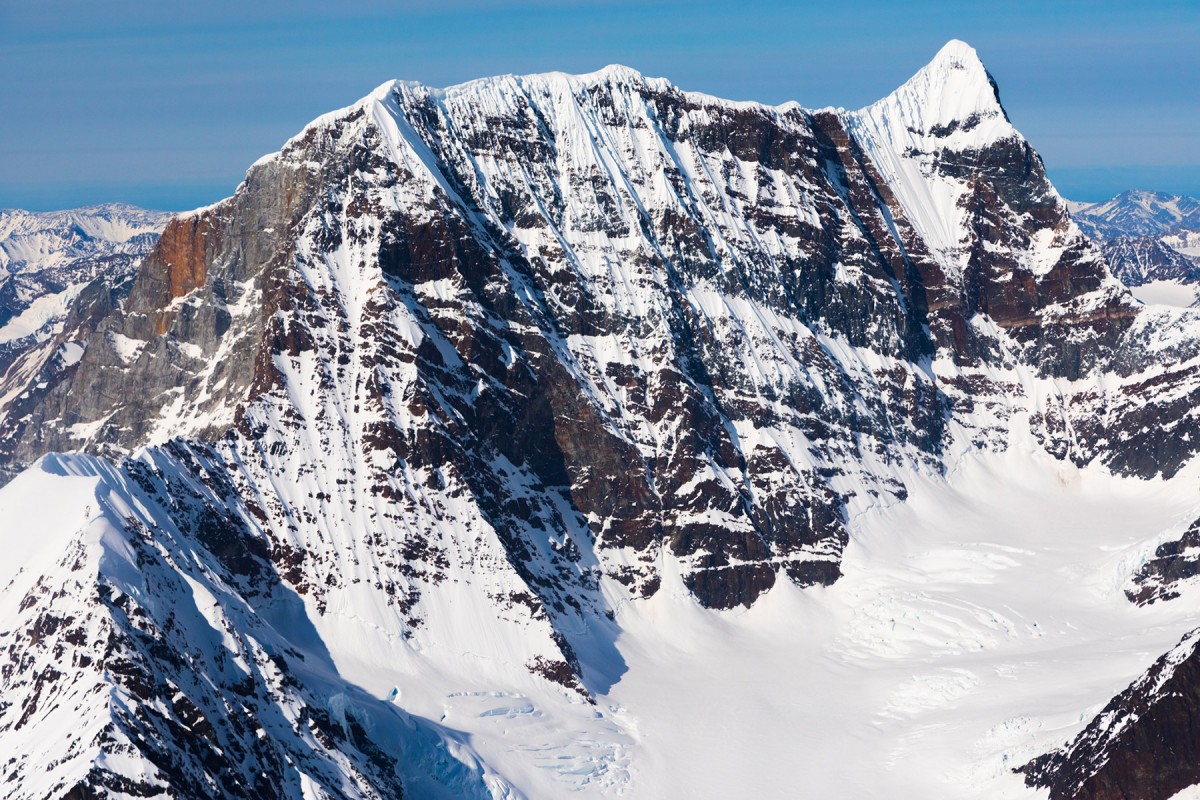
(542, 344)
(1173, 566)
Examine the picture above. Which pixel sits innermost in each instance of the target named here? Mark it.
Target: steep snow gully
(552, 435)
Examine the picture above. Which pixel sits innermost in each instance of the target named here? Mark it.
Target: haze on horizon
(166, 105)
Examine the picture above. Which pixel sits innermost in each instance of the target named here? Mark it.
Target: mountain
(1156, 272)
(45, 256)
(1141, 744)
(579, 433)
(50, 260)
(32, 241)
(1142, 235)
(1137, 261)
(1137, 213)
(1184, 241)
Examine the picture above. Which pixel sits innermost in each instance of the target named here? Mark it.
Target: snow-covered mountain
(45, 255)
(50, 260)
(1145, 239)
(579, 433)
(1140, 260)
(1137, 213)
(32, 241)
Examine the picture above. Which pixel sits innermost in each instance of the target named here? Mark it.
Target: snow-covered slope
(511, 436)
(952, 105)
(978, 624)
(164, 657)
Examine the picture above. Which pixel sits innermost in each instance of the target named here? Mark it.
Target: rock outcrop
(1143, 744)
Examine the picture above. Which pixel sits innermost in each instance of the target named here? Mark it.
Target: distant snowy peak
(31, 240)
(1137, 213)
(1151, 241)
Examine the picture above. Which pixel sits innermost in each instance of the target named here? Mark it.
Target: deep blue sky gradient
(165, 104)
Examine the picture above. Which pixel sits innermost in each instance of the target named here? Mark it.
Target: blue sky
(165, 104)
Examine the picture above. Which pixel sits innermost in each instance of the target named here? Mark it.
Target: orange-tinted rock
(181, 251)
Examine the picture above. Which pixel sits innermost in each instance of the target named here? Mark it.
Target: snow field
(979, 623)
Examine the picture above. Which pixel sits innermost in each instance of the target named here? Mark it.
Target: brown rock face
(183, 250)
(178, 265)
(181, 261)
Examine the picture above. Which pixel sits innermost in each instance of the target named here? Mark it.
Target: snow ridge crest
(953, 93)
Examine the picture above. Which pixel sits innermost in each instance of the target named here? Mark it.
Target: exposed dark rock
(1144, 744)
(1174, 564)
(1139, 260)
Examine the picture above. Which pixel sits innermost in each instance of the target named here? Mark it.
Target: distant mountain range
(57, 269)
(44, 255)
(1151, 240)
(1137, 213)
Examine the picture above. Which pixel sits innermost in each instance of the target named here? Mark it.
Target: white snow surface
(978, 624)
(1186, 242)
(951, 103)
(40, 316)
(1167, 293)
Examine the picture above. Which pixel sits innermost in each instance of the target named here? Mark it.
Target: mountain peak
(957, 54)
(614, 72)
(950, 105)
(952, 92)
